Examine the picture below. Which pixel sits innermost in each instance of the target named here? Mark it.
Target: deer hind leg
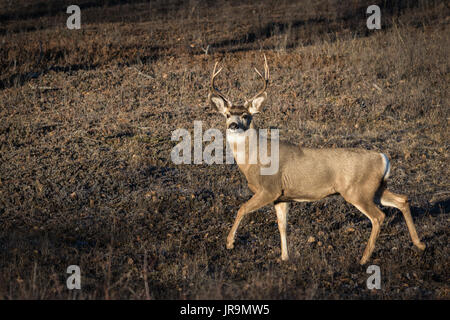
(376, 217)
(282, 209)
(258, 200)
(366, 205)
(390, 199)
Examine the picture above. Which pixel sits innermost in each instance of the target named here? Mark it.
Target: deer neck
(244, 147)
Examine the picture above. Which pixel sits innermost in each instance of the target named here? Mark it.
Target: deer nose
(233, 126)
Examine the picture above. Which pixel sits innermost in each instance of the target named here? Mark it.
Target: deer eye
(245, 116)
(227, 115)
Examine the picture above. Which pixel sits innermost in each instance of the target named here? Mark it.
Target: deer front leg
(258, 200)
(282, 209)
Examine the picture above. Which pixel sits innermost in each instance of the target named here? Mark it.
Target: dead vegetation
(86, 121)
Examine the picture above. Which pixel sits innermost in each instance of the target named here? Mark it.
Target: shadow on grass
(20, 79)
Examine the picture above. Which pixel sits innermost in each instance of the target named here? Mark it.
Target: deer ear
(255, 106)
(218, 102)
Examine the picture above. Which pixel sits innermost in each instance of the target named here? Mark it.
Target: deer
(308, 174)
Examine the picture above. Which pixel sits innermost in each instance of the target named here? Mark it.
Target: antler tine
(265, 78)
(214, 74)
(266, 68)
(214, 71)
(259, 73)
(213, 88)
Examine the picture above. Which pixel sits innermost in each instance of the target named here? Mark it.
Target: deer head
(238, 117)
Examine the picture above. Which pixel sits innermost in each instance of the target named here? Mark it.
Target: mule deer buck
(305, 174)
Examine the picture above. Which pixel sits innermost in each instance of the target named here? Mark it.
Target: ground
(87, 116)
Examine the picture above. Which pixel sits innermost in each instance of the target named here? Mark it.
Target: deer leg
(376, 216)
(390, 199)
(258, 200)
(282, 209)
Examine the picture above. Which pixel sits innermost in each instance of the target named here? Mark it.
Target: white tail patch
(387, 166)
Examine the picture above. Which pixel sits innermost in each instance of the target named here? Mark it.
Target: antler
(213, 89)
(265, 78)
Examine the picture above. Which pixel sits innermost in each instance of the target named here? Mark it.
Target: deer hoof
(363, 261)
(421, 245)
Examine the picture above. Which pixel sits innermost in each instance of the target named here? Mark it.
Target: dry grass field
(85, 138)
